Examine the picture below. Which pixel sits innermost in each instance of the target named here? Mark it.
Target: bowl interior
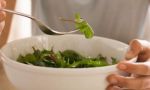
(87, 47)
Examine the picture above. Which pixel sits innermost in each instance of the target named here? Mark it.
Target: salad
(63, 59)
(67, 58)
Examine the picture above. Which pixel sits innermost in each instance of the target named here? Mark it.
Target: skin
(2, 14)
(139, 78)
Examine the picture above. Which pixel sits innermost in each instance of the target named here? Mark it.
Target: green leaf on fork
(83, 26)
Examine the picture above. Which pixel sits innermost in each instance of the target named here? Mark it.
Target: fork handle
(17, 13)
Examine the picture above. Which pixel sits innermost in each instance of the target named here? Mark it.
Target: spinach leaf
(63, 59)
(83, 26)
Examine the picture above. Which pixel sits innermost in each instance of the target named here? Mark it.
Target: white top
(117, 19)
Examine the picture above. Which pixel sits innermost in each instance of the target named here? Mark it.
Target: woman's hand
(2, 14)
(140, 71)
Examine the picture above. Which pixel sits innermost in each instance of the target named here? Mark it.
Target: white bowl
(27, 77)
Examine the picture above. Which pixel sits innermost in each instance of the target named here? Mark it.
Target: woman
(113, 20)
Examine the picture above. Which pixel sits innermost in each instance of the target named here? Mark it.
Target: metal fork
(43, 27)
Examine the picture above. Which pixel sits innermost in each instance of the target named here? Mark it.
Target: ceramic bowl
(28, 77)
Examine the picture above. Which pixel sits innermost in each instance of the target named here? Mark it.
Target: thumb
(140, 48)
(144, 54)
(134, 49)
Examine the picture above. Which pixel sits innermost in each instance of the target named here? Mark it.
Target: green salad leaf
(83, 26)
(63, 59)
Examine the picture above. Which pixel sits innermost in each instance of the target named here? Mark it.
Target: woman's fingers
(140, 48)
(142, 82)
(140, 71)
(112, 87)
(116, 81)
(2, 16)
(135, 68)
(2, 3)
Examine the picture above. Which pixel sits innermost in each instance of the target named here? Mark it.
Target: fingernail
(122, 66)
(113, 81)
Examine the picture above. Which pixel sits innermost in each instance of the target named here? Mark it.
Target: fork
(43, 27)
